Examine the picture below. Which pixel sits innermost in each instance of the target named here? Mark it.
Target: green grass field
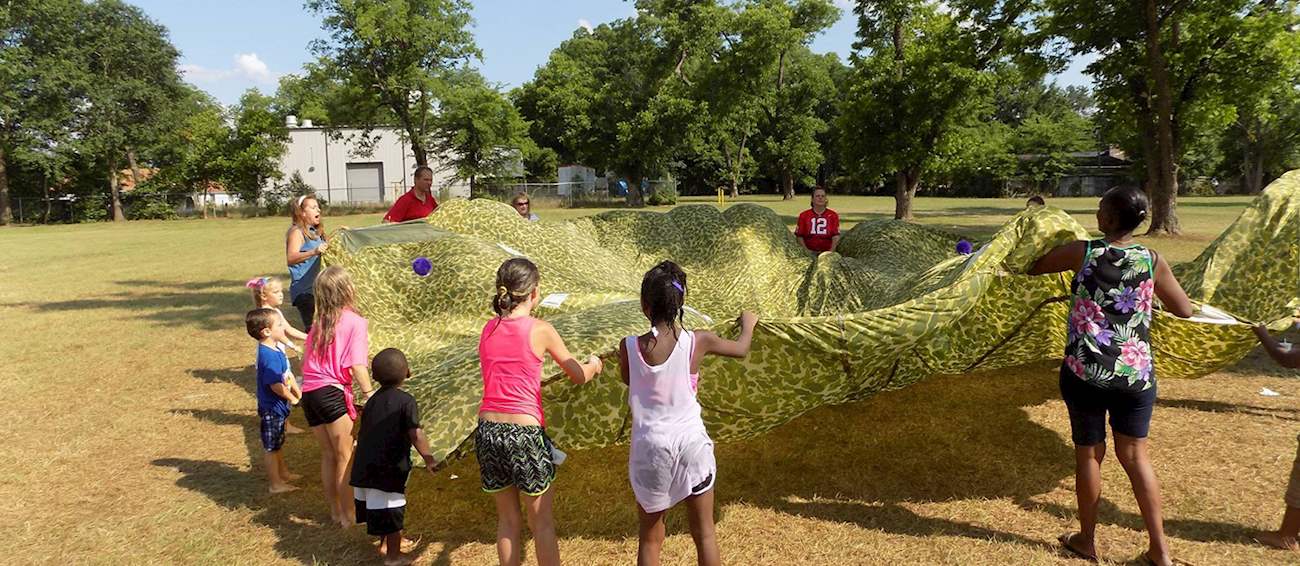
(132, 432)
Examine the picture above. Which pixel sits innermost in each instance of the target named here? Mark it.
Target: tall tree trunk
(738, 163)
(421, 154)
(45, 191)
(1150, 156)
(905, 185)
(6, 215)
(787, 182)
(116, 202)
(1164, 199)
(135, 168)
(1252, 168)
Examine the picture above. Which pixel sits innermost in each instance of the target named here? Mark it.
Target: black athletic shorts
(324, 405)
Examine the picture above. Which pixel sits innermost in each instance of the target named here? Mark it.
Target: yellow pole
(720, 199)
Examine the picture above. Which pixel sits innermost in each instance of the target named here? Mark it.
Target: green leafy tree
(132, 80)
(193, 156)
(928, 80)
(40, 84)
(478, 131)
(1164, 77)
(1264, 139)
(397, 55)
(257, 142)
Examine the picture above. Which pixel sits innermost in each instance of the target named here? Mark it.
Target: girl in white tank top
(671, 459)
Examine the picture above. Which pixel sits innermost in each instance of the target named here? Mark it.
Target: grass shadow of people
(299, 519)
(207, 305)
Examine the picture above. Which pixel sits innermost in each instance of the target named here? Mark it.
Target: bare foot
(407, 545)
(346, 522)
(1275, 539)
(293, 477)
(283, 488)
(290, 429)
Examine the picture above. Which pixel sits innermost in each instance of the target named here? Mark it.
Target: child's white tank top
(671, 453)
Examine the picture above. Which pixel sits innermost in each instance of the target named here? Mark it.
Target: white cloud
(248, 67)
(584, 24)
(252, 67)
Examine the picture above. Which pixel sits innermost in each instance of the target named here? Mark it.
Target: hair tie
(256, 283)
(679, 287)
(1142, 213)
(502, 291)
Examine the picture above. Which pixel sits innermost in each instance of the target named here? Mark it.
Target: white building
(333, 162)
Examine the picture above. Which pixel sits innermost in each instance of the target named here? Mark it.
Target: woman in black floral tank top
(1108, 366)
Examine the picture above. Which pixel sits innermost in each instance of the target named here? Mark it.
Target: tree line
(936, 97)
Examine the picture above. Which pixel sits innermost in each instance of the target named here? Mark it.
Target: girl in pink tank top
(671, 459)
(514, 453)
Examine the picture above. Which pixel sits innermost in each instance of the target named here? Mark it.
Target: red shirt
(817, 230)
(408, 207)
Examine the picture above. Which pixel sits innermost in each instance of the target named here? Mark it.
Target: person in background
(524, 206)
(819, 227)
(1036, 200)
(418, 202)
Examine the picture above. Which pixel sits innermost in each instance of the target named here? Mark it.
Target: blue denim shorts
(1130, 413)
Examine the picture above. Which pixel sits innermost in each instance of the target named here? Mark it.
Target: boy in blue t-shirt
(274, 393)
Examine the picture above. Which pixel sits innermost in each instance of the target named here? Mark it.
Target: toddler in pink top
(671, 459)
(514, 453)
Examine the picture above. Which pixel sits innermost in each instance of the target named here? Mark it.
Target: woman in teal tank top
(304, 243)
(1108, 367)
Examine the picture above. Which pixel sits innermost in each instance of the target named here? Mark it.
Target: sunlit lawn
(132, 432)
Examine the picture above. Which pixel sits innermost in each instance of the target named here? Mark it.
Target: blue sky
(228, 46)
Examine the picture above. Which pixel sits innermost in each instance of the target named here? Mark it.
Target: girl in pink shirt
(514, 453)
(336, 354)
(671, 459)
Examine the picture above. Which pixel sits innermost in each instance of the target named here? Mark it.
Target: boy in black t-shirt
(390, 425)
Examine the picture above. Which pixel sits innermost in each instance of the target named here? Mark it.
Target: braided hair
(516, 279)
(663, 295)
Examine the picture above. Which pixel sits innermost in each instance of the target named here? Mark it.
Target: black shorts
(324, 405)
(306, 304)
(511, 455)
(1130, 413)
(381, 520)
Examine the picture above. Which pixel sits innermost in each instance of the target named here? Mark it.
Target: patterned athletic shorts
(272, 431)
(511, 455)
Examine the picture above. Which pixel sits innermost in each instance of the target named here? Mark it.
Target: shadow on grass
(207, 305)
(1187, 529)
(1280, 413)
(245, 377)
(299, 519)
(945, 439)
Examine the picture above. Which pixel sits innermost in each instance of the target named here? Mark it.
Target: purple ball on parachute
(963, 247)
(422, 266)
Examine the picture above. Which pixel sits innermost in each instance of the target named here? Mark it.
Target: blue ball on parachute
(422, 266)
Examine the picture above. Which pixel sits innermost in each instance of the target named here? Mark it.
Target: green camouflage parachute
(895, 305)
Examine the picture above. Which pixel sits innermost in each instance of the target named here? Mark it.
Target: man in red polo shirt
(818, 227)
(418, 202)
